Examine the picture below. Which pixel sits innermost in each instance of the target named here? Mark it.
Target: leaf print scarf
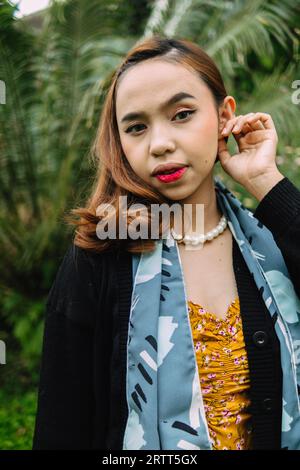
(165, 404)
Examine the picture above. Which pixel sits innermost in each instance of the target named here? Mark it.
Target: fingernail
(235, 128)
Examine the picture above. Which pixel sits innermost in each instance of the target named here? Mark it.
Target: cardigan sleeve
(279, 211)
(65, 395)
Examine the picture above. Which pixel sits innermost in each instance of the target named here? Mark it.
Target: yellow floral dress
(224, 375)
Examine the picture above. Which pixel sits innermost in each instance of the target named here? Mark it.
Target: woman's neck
(207, 210)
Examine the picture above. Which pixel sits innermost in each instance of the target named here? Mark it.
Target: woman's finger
(223, 152)
(236, 123)
(241, 124)
(256, 125)
(265, 119)
(230, 124)
(249, 127)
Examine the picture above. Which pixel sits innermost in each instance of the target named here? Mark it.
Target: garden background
(55, 65)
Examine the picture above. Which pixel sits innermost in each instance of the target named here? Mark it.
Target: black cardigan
(82, 390)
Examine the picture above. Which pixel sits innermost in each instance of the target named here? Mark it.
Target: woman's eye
(132, 127)
(183, 112)
(129, 130)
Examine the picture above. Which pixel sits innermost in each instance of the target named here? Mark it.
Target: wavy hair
(114, 176)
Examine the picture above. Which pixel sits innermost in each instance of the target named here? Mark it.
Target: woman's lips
(171, 176)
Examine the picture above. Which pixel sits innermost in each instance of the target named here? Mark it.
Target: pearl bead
(210, 235)
(188, 239)
(202, 238)
(176, 236)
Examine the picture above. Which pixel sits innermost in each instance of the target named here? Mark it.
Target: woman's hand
(254, 165)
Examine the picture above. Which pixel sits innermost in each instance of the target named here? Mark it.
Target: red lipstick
(169, 178)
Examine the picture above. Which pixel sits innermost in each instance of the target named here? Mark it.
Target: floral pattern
(224, 375)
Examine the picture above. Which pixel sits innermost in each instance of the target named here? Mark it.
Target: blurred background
(55, 61)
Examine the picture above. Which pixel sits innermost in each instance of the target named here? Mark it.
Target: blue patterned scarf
(165, 404)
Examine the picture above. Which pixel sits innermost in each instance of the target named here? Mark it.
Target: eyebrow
(174, 99)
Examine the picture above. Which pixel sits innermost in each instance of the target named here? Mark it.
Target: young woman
(149, 344)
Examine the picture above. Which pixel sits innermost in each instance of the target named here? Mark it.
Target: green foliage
(18, 398)
(24, 318)
(17, 417)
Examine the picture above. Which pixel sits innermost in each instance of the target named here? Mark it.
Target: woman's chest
(209, 276)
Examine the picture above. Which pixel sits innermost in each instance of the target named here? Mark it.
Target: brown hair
(115, 176)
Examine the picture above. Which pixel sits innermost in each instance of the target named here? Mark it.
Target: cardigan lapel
(264, 360)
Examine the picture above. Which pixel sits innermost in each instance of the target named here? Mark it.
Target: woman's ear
(226, 112)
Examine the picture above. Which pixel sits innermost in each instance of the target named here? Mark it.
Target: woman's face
(184, 132)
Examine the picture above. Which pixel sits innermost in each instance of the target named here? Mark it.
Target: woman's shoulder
(82, 277)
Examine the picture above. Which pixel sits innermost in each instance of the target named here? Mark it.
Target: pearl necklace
(190, 240)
